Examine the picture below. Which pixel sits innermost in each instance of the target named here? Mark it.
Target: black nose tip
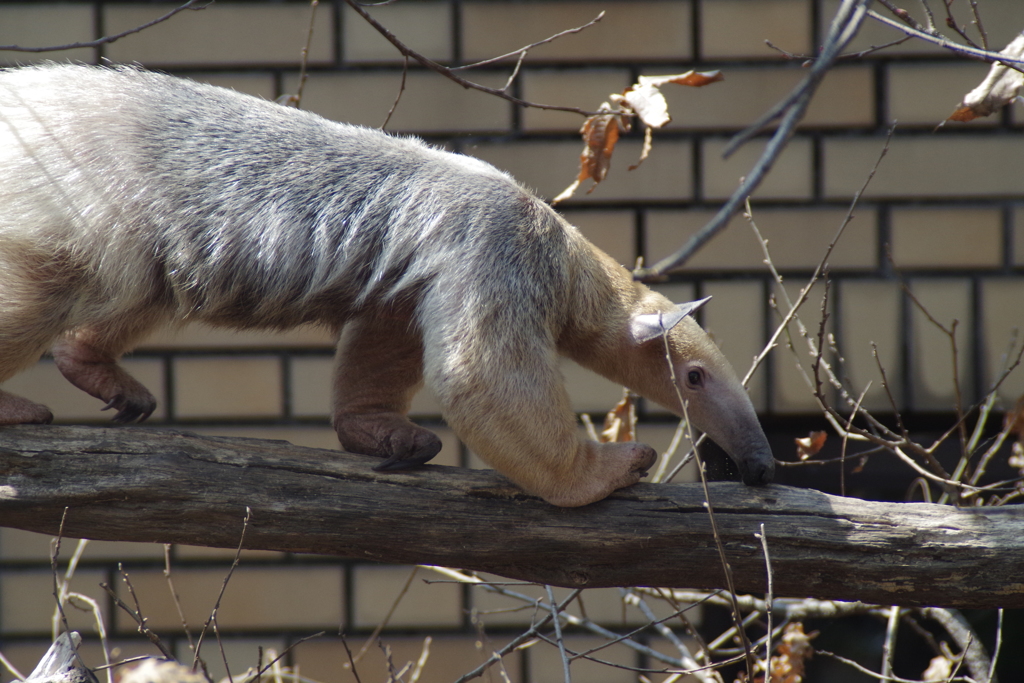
(759, 472)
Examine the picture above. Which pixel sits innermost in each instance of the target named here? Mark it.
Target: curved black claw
(410, 459)
(129, 411)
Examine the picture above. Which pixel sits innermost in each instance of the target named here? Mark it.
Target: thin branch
(889, 646)
(176, 599)
(296, 100)
(741, 633)
(523, 50)
(557, 622)
(190, 5)
(223, 587)
(769, 599)
(789, 112)
(398, 97)
(449, 73)
(914, 30)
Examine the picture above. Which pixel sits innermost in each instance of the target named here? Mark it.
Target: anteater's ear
(647, 326)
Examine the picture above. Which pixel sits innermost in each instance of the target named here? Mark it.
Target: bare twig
(175, 598)
(212, 619)
(917, 31)
(889, 646)
(557, 622)
(769, 598)
(190, 5)
(296, 99)
(387, 618)
(737, 619)
(521, 52)
(449, 73)
(789, 113)
(398, 97)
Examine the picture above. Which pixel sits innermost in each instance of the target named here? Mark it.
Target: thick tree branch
(135, 484)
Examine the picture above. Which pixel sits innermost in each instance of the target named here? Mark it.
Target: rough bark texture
(135, 484)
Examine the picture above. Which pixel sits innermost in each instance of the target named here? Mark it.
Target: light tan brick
(259, 84)
(1002, 314)
(845, 98)
(550, 167)
(790, 177)
(679, 292)
(120, 649)
(629, 30)
(605, 606)
(585, 88)
(44, 384)
(448, 658)
(312, 377)
(546, 662)
(46, 24)
(256, 598)
(429, 104)
(797, 239)
(117, 551)
(870, 313)
(23, 656)
(225, 386)
(948, 237)
(942, 166)
(377, 588)
(241, 654)
(425, 27)
(224, 34)
(735, 320)
(739, 28)
(197, 552)
(16, 544)
(199, 336)
(792, 393)
(926, 94)
(932, 366)
(613, 232)
(588, 391)
(1018, 236)
(28, 602)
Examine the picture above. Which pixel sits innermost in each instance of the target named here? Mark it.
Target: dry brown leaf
(647, 102)
(620, 422)
(810, 445)
(1001, 86)
(600, 133)
(788, 666)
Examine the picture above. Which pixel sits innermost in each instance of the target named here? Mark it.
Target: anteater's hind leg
(30, 319)
(88, 357)
(379, 370)
(23, 339)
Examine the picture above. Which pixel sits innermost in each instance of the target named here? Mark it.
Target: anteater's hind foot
(16, 410)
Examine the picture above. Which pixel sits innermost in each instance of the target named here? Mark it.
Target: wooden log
(146, 484)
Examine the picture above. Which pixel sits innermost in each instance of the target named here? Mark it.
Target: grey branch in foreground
(145, 484)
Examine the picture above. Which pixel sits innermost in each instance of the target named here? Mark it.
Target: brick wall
(948, 204)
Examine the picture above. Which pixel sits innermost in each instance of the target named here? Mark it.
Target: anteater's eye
(695, 378)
